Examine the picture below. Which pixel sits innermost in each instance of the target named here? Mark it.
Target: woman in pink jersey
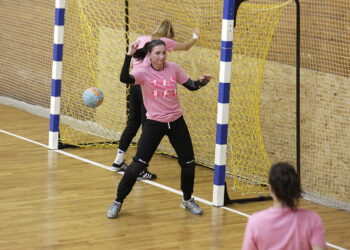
(158, 81)
(137, 111)
(284, 225)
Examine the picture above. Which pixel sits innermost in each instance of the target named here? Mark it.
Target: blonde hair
(165, 29)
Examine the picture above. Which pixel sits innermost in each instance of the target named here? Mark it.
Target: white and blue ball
(92, 97)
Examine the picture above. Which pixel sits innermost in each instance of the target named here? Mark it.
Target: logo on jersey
(165, 88)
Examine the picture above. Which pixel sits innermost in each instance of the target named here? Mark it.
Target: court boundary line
(146, 181)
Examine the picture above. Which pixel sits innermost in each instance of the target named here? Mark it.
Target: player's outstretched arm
(125, 76)
(187, 45)
(201, 82)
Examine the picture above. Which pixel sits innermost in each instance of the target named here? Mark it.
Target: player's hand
(205, 77)
(195, 35)
(133, 47)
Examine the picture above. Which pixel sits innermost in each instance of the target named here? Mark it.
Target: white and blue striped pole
(223, 102)
(56, 74)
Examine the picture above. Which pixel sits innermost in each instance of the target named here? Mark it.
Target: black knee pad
(188, 166)
(185, 163)
(187, 177)
(136, 167)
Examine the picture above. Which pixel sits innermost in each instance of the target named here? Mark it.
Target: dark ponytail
(140, 54)
(285, 184)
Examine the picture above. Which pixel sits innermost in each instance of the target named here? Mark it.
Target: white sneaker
(191, 206)
(114, 210)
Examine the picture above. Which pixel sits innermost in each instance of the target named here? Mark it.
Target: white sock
(120, 157)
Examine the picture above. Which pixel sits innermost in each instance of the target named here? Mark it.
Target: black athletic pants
(137, 116)
(152, 134)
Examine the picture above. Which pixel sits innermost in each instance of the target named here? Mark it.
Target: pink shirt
(281, 228)
(169, 43)
(159, 91)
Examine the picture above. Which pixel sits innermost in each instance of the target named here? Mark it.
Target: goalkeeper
(137, 111)
(158, 82)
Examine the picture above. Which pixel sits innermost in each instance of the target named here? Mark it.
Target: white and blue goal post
(223, 101)
(56, 74)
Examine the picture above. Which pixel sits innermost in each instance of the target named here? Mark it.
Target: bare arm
(187, 45)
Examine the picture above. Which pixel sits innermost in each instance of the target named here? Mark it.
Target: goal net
(96, 36)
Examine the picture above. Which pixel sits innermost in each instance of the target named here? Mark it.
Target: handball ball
(92, 97)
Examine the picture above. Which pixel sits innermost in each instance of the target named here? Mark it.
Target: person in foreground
(137, 110)
(158, 82)
(284, 225)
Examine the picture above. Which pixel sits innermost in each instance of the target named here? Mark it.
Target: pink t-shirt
(281, 228)
(159, 91)
(169, 43)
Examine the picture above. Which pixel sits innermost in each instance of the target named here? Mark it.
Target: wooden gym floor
(58, 200)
